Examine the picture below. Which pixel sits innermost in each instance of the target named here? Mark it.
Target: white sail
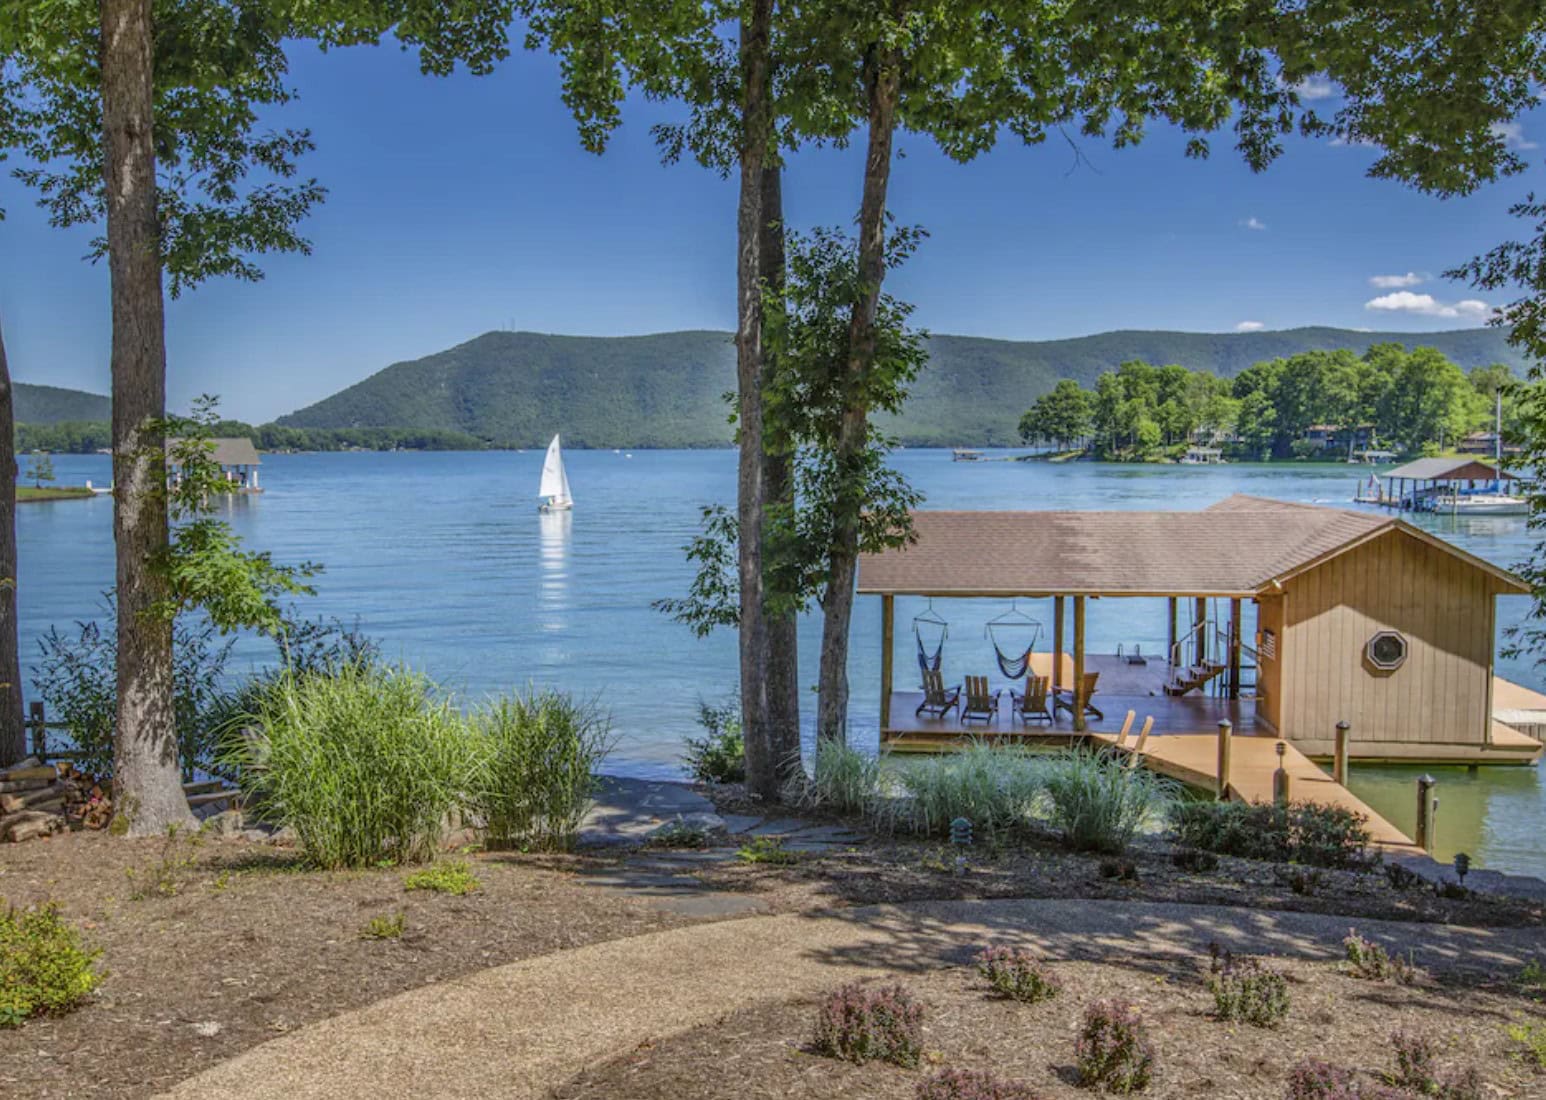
(555, 482)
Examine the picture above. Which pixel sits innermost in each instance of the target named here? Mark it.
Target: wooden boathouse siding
(1442, 604)
(1269, 661)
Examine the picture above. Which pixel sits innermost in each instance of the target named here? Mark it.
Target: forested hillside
(518, 388)
(52, 405)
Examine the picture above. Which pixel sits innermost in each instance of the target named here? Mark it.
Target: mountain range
(53, 405)
(666, 390)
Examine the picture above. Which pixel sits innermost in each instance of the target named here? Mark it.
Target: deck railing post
(1225, 732)
(1339, 761)
(1425, 808)
(39, 730)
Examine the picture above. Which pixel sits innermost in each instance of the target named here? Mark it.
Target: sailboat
(1493, 502)
(554, 490)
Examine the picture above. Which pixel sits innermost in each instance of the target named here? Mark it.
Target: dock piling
(1225, 731)
(1425, 809)
(1339, 761)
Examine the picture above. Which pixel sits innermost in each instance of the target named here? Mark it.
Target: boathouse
(238, 460)
(1284, 619)
(1418, 485)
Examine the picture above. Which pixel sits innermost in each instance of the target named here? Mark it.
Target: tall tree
(144, 114)
(13, 731)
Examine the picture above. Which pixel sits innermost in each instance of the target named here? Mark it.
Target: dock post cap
(1344, 725)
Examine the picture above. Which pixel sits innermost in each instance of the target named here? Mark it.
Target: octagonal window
(1387, 650)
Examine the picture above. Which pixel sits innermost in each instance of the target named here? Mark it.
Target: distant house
(1335, 437)
(239, 461)
(1485, 443)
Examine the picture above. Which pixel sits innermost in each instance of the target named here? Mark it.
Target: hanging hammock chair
(1017, 631)
(928, 625)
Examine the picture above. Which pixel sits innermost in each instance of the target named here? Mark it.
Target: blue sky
(462, 205)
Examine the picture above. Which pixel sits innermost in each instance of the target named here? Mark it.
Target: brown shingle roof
(1236, 547)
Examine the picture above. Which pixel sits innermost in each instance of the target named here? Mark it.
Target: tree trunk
(147, 785)
(782, 624)
(762, 765)
(853, 432)
(13, 731)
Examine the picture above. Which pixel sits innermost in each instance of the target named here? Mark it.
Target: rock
(227, 823)
(287, 837)
(207, 1029)
(689, 828)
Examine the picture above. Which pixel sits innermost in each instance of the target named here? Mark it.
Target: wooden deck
(1193, 759)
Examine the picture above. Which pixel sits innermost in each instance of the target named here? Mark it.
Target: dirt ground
(212, 949)
(763, 1053)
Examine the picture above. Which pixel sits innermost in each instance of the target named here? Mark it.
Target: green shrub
(1364, 958)
(1528, 1042)
(44, 967)
(1194, 861)
(362, 761)
(535, 759)
(1098, 804)
(862, 1025)
(1017, 974)
(993, 788)
(1244, 988)
(385, 928)
(1302, 832)
(766, 849)
(444, 878)
(846, 780)
(719, 756)
(1113, 1052)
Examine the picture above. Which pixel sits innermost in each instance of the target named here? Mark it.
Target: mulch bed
(231, 943)
(886, 870)
(763, 1052)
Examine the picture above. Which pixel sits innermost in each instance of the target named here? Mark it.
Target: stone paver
(516, 1031)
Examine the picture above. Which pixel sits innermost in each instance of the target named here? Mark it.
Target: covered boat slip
(1359, 617)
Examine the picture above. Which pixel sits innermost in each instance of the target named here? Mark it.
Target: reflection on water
(554, 532)
(483, 592)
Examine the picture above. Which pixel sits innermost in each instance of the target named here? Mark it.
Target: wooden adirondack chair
(1065, 699)
(1032, 705)
(938, 700)
(980, 703)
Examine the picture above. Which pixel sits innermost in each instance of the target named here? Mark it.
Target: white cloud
(1249, 326)
(1390, 282)
(1253, 223)
(1513, 135)
(1426, 305)
(1315, 87)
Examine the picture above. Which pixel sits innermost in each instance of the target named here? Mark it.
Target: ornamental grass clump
(971, 1084)
(996, 789)
(870, 1025)
(1015, 973)
(45, 969)
(846, 780)
(363, 761)
(1098, 804)
(534, 760)
(1246, 989)
(1113, 1053)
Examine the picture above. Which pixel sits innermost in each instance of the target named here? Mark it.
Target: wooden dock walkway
(1192, 758)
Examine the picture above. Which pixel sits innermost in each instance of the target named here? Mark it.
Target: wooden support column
(1234, 649)
(1079, 664)
(887, 630)
(1170, 645)
(1057, 644)
(1200, 628)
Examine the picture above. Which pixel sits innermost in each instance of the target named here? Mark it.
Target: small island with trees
(1332, 405)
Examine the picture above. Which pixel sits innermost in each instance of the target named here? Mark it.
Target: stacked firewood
(37, 799)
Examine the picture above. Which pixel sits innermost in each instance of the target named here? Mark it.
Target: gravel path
(518, 1030)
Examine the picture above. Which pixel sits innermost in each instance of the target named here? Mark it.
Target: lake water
(444, 558)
